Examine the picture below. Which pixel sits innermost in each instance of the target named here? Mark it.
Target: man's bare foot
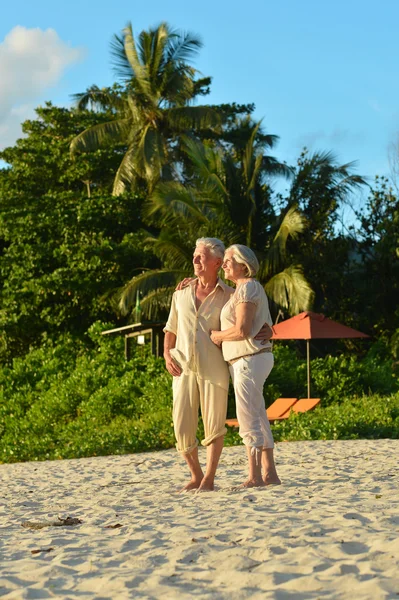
(250, 483)
(271, 479)
(206, 486)
(193, 484)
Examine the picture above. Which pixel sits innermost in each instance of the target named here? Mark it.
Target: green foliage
(226, 196)
(353, 418)
(64, 247)
(333, 378)
(154, 108)
(67, 245)
(64, 255)
(371, 417)
(68, 400)
(41, 164)
(379, 254)
(71, 398)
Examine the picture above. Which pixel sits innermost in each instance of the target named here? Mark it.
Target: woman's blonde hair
(245, 256)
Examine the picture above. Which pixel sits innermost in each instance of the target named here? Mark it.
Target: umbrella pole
(308, 360)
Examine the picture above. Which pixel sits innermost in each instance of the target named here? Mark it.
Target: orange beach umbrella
(310, 325)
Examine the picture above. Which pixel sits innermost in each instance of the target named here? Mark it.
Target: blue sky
(322, 74)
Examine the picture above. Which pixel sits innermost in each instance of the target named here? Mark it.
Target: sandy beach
(330, 531)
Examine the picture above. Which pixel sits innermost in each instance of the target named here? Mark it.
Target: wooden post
(153, 343)
(127, 347)
(308, 361)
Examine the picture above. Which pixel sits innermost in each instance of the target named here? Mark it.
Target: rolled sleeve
(171, 324)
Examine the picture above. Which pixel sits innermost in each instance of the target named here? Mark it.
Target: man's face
(205, 263)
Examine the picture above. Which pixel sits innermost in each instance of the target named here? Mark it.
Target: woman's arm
(245, 312)
(184, 283)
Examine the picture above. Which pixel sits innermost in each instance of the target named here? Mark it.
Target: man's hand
(171, 365)
(182, 284)
(264, 334)
(215, 338)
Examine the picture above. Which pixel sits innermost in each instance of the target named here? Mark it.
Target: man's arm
(264, 334)
(169, 343)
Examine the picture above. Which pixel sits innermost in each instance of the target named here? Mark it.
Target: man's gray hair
(215, 246)
(245, 256)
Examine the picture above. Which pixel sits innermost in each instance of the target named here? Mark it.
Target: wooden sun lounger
(305, 404)
(282, 407)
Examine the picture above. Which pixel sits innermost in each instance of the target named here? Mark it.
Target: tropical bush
(74, 398)
(68, 399)
(358, 417)
(333, 378)
(102, 202)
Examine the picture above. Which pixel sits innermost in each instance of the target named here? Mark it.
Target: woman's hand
(215, 337)
(182, 284)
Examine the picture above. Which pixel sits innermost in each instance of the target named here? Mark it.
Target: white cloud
(329, 140)
(31, 62)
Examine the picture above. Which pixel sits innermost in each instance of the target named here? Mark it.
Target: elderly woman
(250, 362)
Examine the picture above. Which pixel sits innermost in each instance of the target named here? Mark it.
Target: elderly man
(200, 374)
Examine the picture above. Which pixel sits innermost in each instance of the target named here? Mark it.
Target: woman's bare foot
(250, 483)
(193, 484)
(207, 485)
(271, 479)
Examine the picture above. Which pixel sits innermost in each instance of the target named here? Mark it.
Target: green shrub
(72, 399)
(89, 402)
(333, 378)
(360, 417)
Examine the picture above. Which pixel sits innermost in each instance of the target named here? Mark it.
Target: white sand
(331, 531)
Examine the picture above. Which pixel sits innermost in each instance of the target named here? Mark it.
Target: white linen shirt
(194, 349)
(250, 291)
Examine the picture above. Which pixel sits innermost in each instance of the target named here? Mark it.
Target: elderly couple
(213, 329)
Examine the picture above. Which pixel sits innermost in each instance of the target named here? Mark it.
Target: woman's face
(232, 269)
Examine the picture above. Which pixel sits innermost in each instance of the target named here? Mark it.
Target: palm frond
(151, 153)
(193, 117)
(171, 247)
(290, 290)
(323, 168)
(173, 200)
(101, 134)
(250, 159)
(182, 46)
(120, 63)
(126, 173)
(274, 168)
(156, 303)
(208, 163)
(146, 283)
(151, 50)
(127, 63)
(96, 98)
(292, 224)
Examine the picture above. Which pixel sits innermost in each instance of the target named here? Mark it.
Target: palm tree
(227, 196)
(154, 107)
(231, 181)
(320, 186)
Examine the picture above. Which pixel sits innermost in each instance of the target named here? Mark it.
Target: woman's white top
(251, 291)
